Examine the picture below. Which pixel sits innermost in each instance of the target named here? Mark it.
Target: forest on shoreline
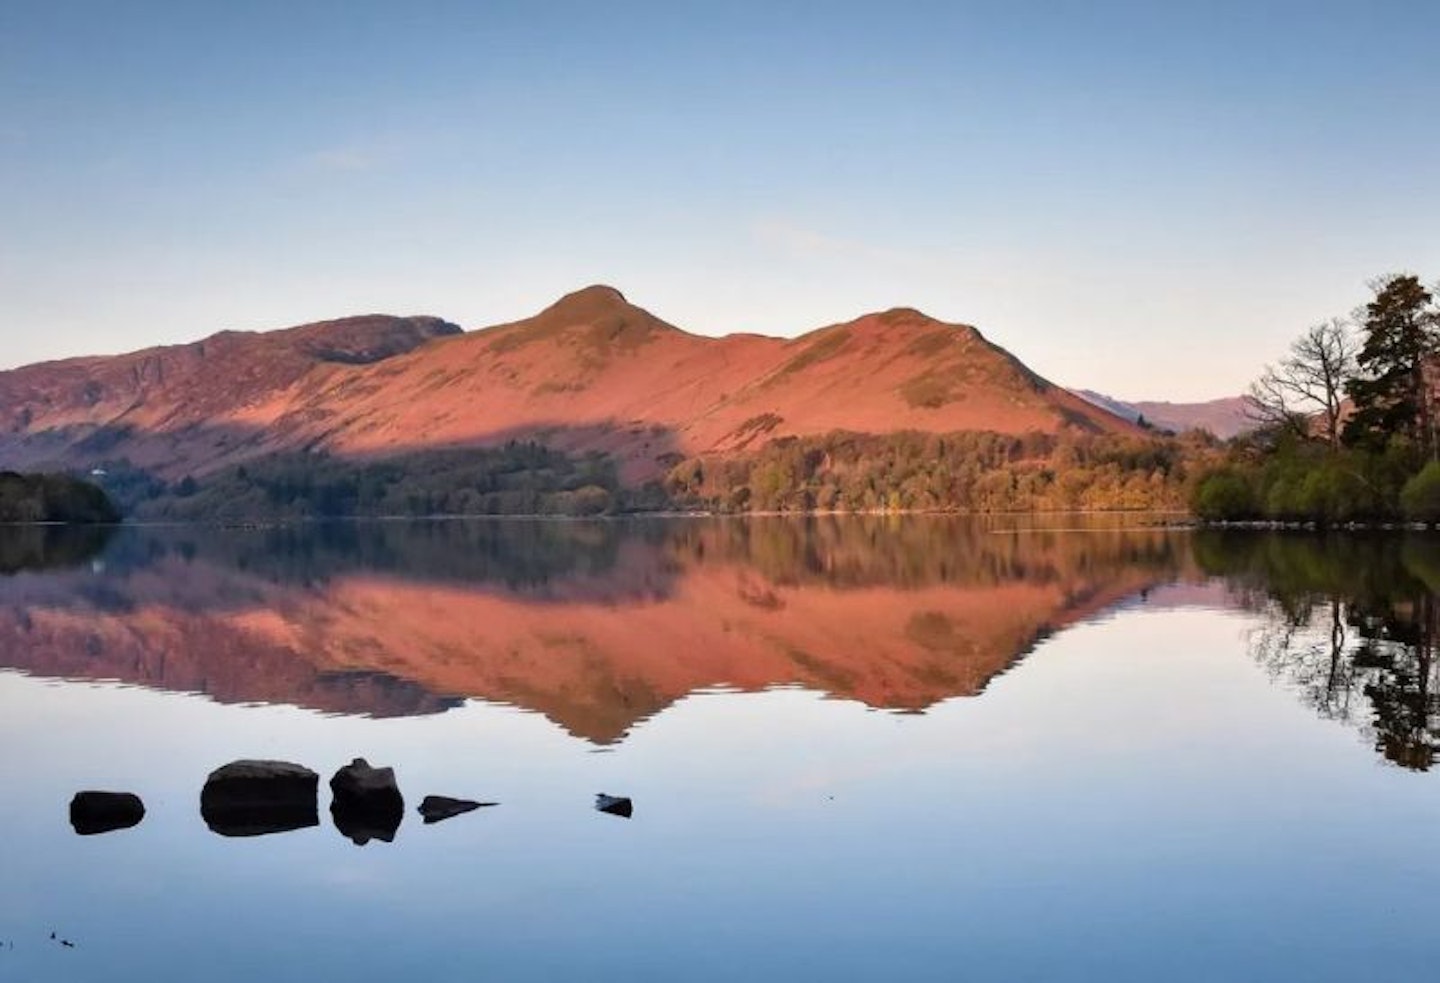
(1347, 422)
(965, 472)
(33, 498)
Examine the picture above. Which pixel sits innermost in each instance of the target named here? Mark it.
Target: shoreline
(1311, 525)
(1160, 519)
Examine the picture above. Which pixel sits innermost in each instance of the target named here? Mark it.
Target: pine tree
(1391, 393)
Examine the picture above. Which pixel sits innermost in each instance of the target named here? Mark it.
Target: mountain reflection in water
(599, 625)
(1176, 782)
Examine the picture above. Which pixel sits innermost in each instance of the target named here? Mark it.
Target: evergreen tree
(1391, 393)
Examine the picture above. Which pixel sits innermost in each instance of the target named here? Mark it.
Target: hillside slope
(189, 407)
(590, 372)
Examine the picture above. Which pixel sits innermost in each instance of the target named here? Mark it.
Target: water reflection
(1352, 625)
(1135, 795)
(28, 548)
(596, 625)
(599, 625)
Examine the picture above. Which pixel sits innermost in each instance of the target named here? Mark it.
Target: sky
(1147, 199)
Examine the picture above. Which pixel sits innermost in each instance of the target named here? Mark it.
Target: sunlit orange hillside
(590, 372)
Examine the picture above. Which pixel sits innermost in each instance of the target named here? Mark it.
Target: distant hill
(1118, 407)
(1225, 417)
(591, 372)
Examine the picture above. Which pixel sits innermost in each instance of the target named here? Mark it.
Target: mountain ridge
(590, 372)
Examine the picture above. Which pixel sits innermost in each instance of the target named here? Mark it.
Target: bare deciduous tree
(1305, 393)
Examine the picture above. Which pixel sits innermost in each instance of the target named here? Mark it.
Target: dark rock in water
(367, 804)
(361, 783)
(614, 805)
(246, 783)
(253, 798)
(105, 812)
(438, 807)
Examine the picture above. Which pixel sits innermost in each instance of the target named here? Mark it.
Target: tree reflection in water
(1352, 626)
(579, 620)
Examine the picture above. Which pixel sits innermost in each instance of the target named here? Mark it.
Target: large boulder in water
(253, 798)
(367, 803)
(105, 812)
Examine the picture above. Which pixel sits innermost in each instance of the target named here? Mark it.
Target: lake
(1040, 748)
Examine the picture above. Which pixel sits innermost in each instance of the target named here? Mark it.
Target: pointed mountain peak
(589, 302)
(598, 318)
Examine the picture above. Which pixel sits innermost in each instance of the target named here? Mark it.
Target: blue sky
(1147, 199)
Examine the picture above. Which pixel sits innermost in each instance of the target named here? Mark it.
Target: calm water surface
(858, 749)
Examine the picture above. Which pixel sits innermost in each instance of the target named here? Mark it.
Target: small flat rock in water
(436, 808)
(104, 812)
(614, 805)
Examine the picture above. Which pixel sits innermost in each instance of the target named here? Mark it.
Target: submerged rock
(105, 812)
(439, 807)
(254, 798)
(614, 805)
(367, 803)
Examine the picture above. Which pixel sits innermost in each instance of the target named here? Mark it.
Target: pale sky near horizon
(1148, 199)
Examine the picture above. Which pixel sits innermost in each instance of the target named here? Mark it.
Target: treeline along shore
(1347, 423)
(965, 472)
(29, 498)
